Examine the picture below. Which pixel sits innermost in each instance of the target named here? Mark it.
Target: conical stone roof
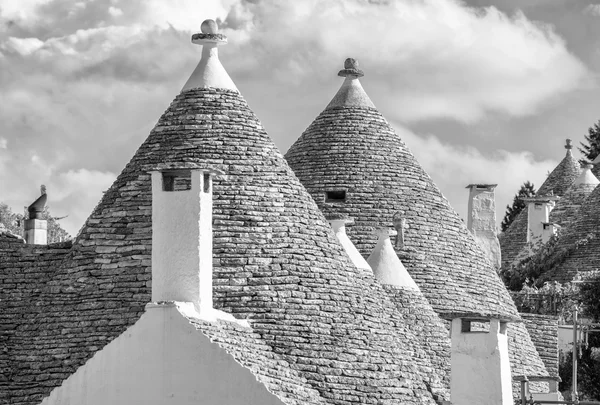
(577, 248)
(567, 207)
(277, 263)
(514, 239)
(351, 149)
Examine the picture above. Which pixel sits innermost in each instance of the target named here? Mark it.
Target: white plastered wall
(162, 360)
(480, 366)
(182, 241)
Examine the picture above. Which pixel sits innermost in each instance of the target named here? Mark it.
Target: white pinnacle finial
(387, 267)
(338, 223)
(586, 176)
(209, 72)
(351, 94)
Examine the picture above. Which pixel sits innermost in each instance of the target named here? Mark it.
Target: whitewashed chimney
(539, 229)
(182, 237)
(36, 227)
(480, 366)
(481, 220)
(387, 267)
(338, 224)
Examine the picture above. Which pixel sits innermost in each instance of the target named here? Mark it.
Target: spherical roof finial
(350, 63)
(209, 34)
(569, 144)
(351, 69)
(209, 27)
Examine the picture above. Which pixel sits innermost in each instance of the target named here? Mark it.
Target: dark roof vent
(335, 196)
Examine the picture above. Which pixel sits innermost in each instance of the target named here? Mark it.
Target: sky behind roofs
(480, 91)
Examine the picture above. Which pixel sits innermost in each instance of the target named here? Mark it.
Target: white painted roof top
(209, 72)
(351, 94)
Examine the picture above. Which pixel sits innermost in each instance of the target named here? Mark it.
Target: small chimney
(338, 223)
(36, 227)
(401, 225)
(539, 229)
(387, 267)
(481, 220)
(480, 366)
(182, 236)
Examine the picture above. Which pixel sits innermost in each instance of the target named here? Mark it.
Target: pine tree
(526, 190)
(591, 149)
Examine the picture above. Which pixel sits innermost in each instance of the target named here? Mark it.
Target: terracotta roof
(514, 239)
(277, 263)
(353, 149)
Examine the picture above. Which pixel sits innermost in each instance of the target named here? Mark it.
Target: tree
(591, 149)
(15, 223)
(526, 190)
(588, 370)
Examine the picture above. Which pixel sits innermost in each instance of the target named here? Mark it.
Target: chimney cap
(385, 231)
(37, 207)
(482, 185)
(338, 216)
(209, 34)
(541, 198)
(351, 69)
(180, 166)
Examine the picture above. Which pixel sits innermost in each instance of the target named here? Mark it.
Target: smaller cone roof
(514, 239)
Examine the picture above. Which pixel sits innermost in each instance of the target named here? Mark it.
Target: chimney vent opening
(335, 196)
(180, 180)
(475, 326)
(206, 182)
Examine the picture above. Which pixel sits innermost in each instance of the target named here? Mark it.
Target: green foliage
(14, 223)
(10, 221)
(589, 295)
(544, 258)
(550, 299)
(588, 370)
(526, 190)
(591, 149)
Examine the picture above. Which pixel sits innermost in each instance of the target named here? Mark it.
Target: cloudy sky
(480, 90)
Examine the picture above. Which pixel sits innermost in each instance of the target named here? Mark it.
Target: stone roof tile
(514, 239)
(277, 263)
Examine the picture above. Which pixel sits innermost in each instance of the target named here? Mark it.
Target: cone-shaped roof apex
(351, 94)
(557, 183)
(566, 209)
(277, 262)
(209, 72)
(351, 147)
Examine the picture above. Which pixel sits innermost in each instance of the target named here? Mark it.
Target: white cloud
(453, 167)
(81, 92)
(22, 46)
(593, 9)
(431, 58)
(115, 11)
(3, 143)
(71, 193)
